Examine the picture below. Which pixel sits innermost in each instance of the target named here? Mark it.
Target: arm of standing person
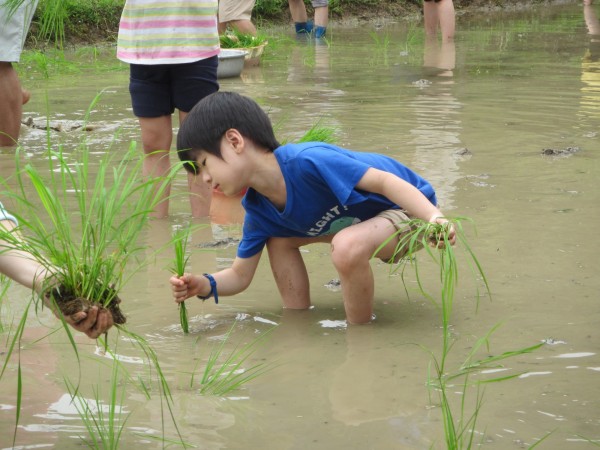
(404, 195)
(230, 281)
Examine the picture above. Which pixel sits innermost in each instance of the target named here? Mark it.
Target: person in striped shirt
(172, 48)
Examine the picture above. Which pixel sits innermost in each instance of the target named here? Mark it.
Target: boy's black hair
(212, 116)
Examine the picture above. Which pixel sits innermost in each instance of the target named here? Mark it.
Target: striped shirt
(168, 31)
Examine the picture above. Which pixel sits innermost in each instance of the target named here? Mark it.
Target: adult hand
(93, 323)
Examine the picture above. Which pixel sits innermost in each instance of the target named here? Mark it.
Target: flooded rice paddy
(505, 123)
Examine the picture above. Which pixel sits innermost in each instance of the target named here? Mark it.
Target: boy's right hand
(438, 241)
(185, 286)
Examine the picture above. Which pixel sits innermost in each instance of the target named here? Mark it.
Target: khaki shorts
(13, 31)
(230, 10)
(398, 217)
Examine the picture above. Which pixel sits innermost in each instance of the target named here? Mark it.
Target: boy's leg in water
(289, 270)
(351, 251)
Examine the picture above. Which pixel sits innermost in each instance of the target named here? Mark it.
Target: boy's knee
(346, 251)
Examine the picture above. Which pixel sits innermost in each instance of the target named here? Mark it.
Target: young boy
(298, 194)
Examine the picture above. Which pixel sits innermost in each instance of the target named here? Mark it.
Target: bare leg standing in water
(13, 31)
(439, 14)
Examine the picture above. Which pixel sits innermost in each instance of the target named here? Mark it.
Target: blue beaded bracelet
(213, 289)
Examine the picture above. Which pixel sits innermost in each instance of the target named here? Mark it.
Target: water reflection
(590, 72)
(371, 393)
(437, 110)
(309, 80)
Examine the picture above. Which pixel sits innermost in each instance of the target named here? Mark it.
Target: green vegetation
(180, 259)
(433, 239)
(224, 373)
(4, 284)
(235, 39)
(89, 20)
(82, 225)
(83, 231)
(103, 421)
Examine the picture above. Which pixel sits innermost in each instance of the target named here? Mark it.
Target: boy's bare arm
(400, 192)
(404, 195)
(229, 281)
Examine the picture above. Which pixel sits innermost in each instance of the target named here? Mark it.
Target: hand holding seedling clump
(440, 232)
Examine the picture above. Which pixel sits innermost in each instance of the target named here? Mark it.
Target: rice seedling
(316, 133)
(105, 418)
(104, 421)
(180, 260)
(225, 373)
(86, 266)
(381, 50)
(53, 16)
(80, 220)
(4, 285)
(319, 133)
(594, 442)
(12, 346)
(234, 38)
(434, 238)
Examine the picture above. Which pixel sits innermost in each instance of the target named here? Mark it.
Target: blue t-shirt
(320, 180)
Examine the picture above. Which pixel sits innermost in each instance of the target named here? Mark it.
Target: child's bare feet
(26, 95)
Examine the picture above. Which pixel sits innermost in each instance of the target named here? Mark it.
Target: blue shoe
(320, 31)
(303, 27)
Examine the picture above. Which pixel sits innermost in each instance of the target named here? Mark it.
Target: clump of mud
(70, 303)
(560, 151)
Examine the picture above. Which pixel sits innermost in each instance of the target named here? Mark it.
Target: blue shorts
(156, 90)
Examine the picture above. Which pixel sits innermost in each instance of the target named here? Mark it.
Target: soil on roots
(70, 304)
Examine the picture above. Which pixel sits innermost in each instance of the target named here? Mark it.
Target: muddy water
(474, 118)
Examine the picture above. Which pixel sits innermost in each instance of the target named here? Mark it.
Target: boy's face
(227, 173)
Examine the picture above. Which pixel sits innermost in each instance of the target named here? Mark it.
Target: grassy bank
(92, 21)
